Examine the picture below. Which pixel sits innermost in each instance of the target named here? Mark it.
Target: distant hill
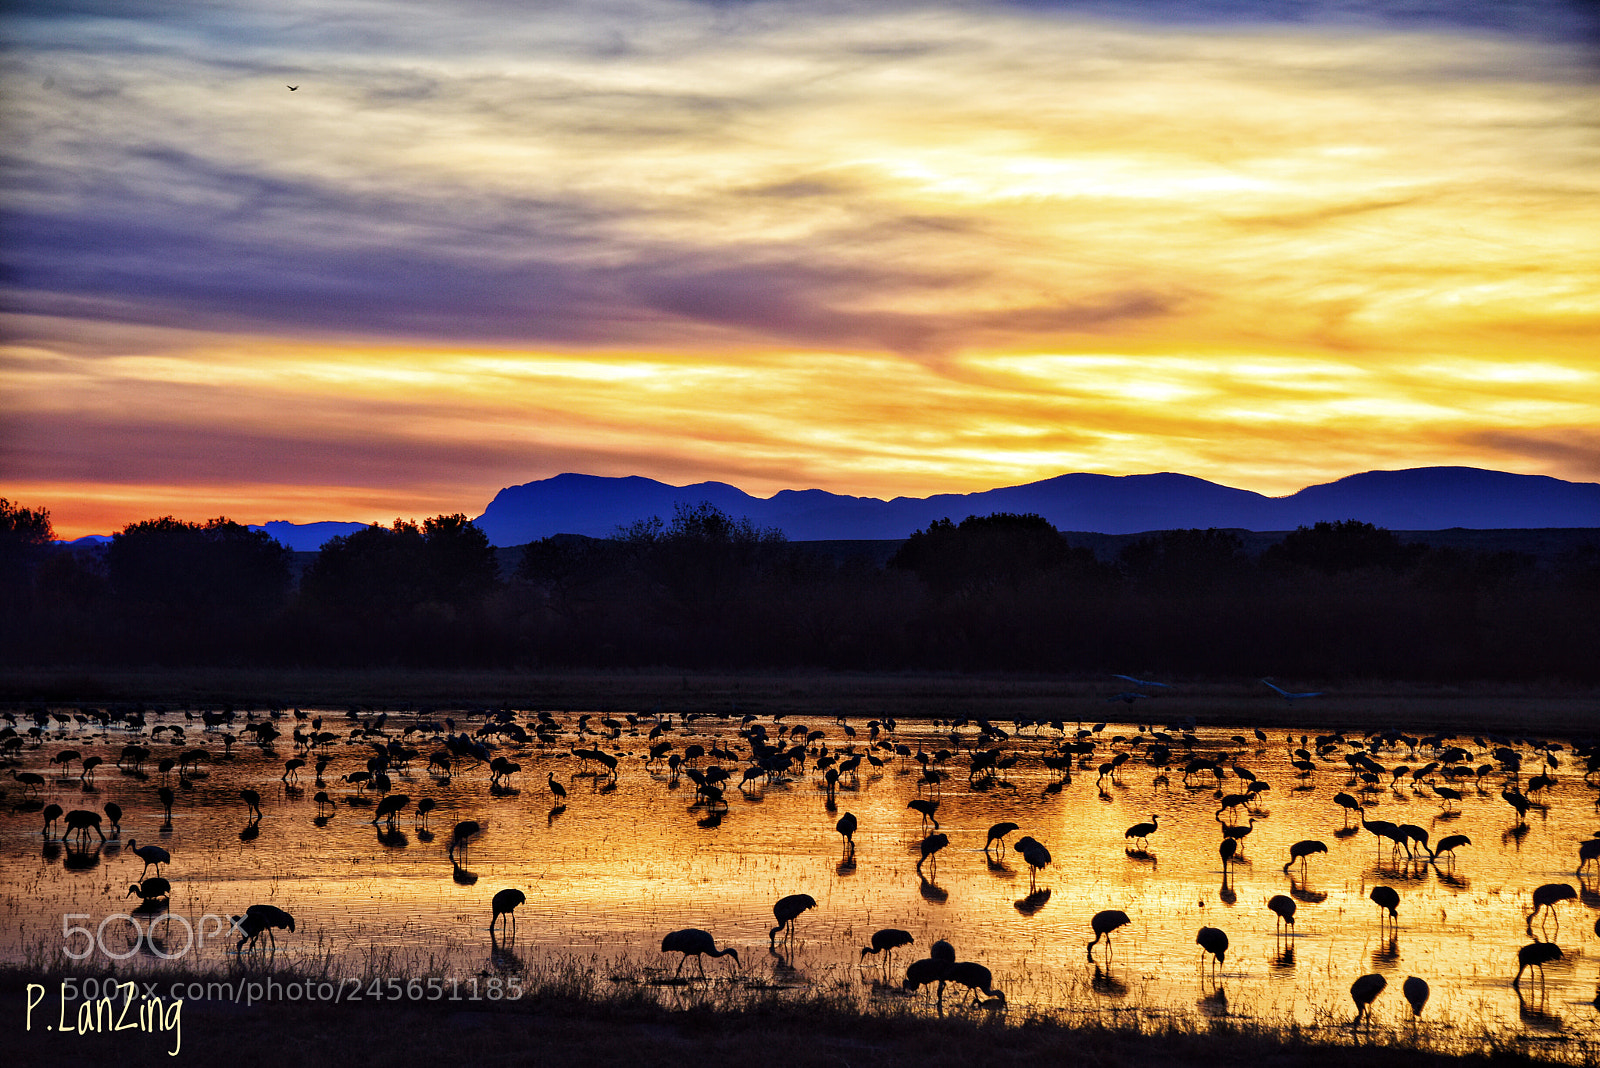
(1424, 498)
(306, 537)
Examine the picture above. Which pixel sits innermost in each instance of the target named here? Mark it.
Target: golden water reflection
(616, 864)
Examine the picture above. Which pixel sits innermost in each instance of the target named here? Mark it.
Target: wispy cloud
(880, 248)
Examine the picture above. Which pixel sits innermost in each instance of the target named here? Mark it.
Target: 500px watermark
(80, 943)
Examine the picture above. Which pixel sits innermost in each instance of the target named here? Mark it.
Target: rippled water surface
(624, 861)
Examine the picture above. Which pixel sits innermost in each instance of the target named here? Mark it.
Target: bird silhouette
(1103, 923)
(1363, 991)
(80, 821)
(1547, 897)
(1287, 696)
(931, 846)
(1535, 955)
(390, 807)
(1385, 897)
(1142, 831)
(167, 798)
(293, 88)
(1449, 844)
(1301, 850)
(975, 977)
(785, 911)
(114, 814)
(258, 920)
(1349, 804)
(51, 813)
(1226, 850)
(998, 833)
(504, 904)
(461, 834)
(1285, 907)
(925, 972)
(847, 827)
(151, 890)
(1214, 941)
(150, 855)
(886, 942)
(253, 800)
(693, 942)
(1416, 992)
(1034, 852)
(927, 808)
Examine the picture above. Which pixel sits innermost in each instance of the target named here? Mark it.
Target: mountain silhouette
(1424, 498)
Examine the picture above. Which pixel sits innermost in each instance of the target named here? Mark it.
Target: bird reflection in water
(394, 838)
(1284, 961)
(1104, 984)
(1033, 902)
(1386, 952)
(933, 892)
(251, 832)
(501, 956)
(847, 866)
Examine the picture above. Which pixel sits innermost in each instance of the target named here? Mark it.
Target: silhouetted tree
(218, 565)
(460, 562)
(1343, 546)
(1002, 549)
(25, 537)
(1186, 560)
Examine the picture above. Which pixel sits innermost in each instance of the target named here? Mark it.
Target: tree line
(706, 590)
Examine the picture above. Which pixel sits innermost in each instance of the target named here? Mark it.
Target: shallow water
(624, 862)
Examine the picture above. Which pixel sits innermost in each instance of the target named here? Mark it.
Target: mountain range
(1425, 498)
(1416, 499)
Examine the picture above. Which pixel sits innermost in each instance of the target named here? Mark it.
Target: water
(623, 862)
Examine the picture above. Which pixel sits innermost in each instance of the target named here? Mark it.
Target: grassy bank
(1244, 702)
(572, 1014)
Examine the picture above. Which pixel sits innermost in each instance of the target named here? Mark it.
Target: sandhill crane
(460, 835)
(31, 780)
(1103, 923)
(258, 920)
(1301, 850)
(114, 814)
(785, 911)
(998, 833)
(930, 846)
(1349, 804)
(886, 942)
(390, 807)
(51, 813)
(1363, 991)
(253, 800)
(291, 769)
(81, 821)
(1284, 906)
(1386, 898)
(847, 828)
(1535, 955)
(927, 971)
(975, 977)
(150, 855)
(151, 890)
(1547, 897)
(323, 801)
(1239, 834)
(424, 807)
(927, 808)
(503, 905)
(1142, 831)
(693, 942)
(1517, 801)
(1588, 853)
(1416, 992)
(1034, 852)
(1214, 941)
(1448, 844)
(167, 798)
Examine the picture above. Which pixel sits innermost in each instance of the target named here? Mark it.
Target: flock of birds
(360, 760)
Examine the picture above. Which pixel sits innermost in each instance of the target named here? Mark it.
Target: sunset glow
(901, 249)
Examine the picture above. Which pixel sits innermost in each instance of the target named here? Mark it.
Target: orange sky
(883, 251)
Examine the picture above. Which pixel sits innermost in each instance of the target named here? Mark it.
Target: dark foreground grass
(1552, 708)
(564, 1018)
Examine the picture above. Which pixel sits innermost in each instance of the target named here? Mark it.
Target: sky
(886, 248)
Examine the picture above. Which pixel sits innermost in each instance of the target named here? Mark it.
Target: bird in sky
(1140, 682)
(292, 88)
(1286, 695)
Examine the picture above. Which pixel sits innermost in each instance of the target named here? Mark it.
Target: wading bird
(1301, 850)
(150, 855)
(1386, 898)
(975, 977)
(1535, 955)
(847, 828)
(151, 890)
(886, 942)
(1142, 831)
(1214, 941)
(931, 846)
(1103, 923)
(1416, 992)
(258, 920)
(1034, 852)
(1548, 897)
(1364, 991)
(1284, 906)
(998, 833)
(693, 942)
(503, 905)
(927, 808)
(253, 800)
(785, 911)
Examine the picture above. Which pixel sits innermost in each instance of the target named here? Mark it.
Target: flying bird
(292, 88)
(1286, 695)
